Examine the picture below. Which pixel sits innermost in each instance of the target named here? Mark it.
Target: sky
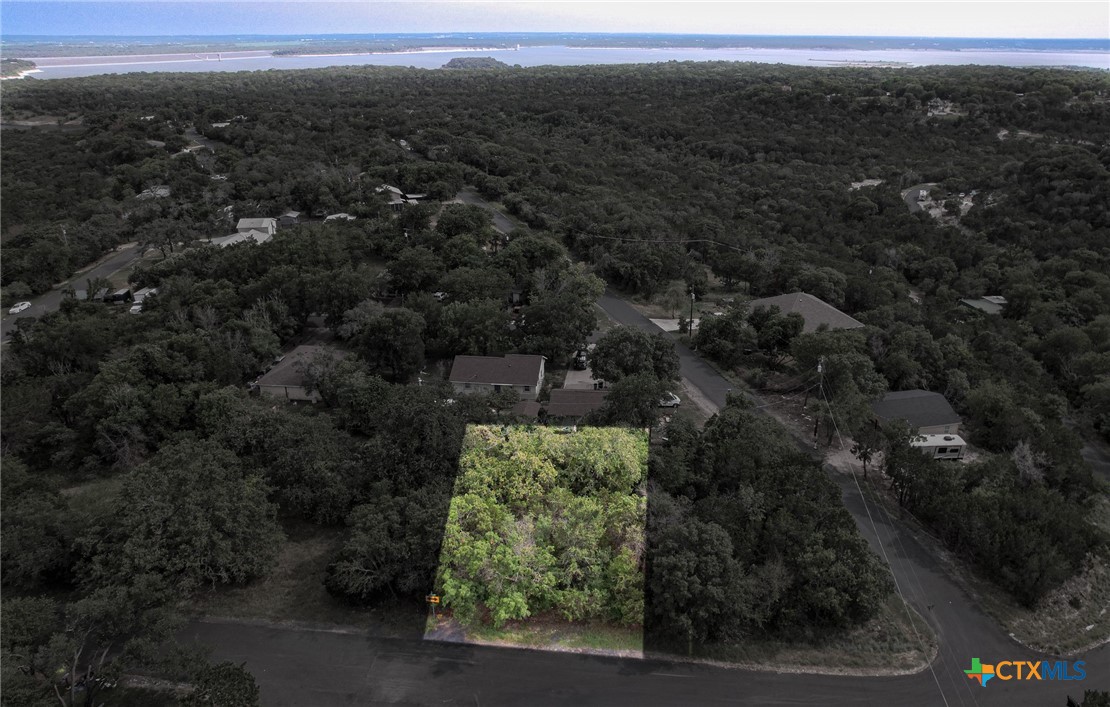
(904, 18)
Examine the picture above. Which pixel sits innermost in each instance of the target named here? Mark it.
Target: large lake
(54, 68)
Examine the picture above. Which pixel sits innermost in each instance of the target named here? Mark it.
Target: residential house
(816, 312)
(155, 192)
(928, 413)
(241, 237)
(398, 198)
(339, 217)
(572, 405)
(529, 409)
(487, 374)
(289, 218)
(265, 225)
(286, 379)
(991, 304)
(936, 423)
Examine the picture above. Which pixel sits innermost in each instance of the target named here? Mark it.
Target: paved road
(963, 629)
(501, 223)
(323, 668)
(50, 301)
(319, 669)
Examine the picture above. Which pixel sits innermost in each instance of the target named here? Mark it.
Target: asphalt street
(964, 631)
(501, 223)
(324, 667)
(50, 301)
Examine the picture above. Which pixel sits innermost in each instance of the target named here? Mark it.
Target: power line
(780, 402)
(878, 538)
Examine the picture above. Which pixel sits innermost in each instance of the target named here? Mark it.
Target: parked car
(19, 307)
(580, 360)
(669, 400)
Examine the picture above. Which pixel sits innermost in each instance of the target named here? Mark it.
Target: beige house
(241, 237)
(816, 312)
(489, 374)
(266, 225)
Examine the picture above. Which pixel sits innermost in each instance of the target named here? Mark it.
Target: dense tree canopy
(738, 178)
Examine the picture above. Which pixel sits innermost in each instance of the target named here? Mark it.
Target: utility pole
(821, 389)
(692, 296)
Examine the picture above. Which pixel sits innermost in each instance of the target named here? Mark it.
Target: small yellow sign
(433, 598)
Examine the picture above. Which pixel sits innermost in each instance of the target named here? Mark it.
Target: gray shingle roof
(290, 371)
(920, 408)
(574, 403)
(815, 311)
(513, 369)
(991, 305)
(248, 223)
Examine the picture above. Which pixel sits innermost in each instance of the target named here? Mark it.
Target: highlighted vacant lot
(544, 543)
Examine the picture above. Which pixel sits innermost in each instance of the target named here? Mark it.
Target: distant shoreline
(22, 74)
(428, 58)
(216, 56)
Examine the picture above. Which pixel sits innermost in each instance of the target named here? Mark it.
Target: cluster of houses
(519, 373)
(260, 230)
(397, 198)
(937, 425)
(929, 414)
(120, 296)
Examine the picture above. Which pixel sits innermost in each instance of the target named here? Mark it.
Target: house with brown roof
(570, 404)
(286, 379)
(816, 312)
(489, 374)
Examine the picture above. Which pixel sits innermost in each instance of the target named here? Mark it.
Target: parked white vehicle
(669, 400)
(19, 307)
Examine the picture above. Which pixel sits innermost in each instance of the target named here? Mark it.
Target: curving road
(52, 300)
(501, 222)
(328, 667)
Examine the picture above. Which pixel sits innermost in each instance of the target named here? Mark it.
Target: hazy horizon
(976, 19)
(559, 33)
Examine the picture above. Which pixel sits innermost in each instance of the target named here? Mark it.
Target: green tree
(415, 269)
(33, 531)
(625, 350)
(633, 400)
(393, 547)
(224, 685)
(391, 339)
(190, 515)
(76, 652)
